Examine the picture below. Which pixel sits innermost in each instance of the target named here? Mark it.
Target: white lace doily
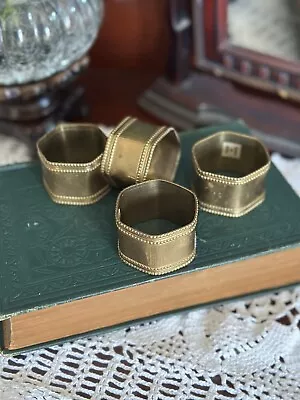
(241, 350)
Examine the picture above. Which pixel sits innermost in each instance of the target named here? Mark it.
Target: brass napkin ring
(157, 199)
(71, 155)
(136, 152)
(245, 162)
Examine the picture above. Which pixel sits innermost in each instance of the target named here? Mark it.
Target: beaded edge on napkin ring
(157, 199)
(71, 155)
(137, 151)
(235, 153)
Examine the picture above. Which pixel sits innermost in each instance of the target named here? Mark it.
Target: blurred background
(187, 63)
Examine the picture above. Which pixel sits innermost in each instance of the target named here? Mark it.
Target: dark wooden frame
(244, 66)
(201, 87)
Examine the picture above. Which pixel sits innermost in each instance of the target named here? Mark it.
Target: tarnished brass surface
(136, 152)
(230, 173)
(71, 155)
(157, 254)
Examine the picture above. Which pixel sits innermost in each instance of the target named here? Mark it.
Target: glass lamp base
(72, 107)
(28, 111)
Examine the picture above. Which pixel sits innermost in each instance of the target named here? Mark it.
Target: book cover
(52, 254)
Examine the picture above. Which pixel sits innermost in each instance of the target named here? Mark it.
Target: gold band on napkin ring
(157, 199)
(71, 155)
(136, 152)
(230, 173)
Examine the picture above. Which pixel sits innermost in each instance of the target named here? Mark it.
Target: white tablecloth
(240, 350)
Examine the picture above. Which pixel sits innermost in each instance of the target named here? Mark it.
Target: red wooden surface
(210, 28)
(112, 94)
(135, 34)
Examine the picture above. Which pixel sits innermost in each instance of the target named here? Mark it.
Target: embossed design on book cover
(36, 237)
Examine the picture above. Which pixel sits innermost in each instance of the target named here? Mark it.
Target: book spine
(1, 337)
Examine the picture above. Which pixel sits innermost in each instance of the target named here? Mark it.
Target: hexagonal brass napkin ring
(136, 152)
(248, 162)
(71, 155)
(157, 199)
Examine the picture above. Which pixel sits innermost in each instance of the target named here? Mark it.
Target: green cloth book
(61, 276)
